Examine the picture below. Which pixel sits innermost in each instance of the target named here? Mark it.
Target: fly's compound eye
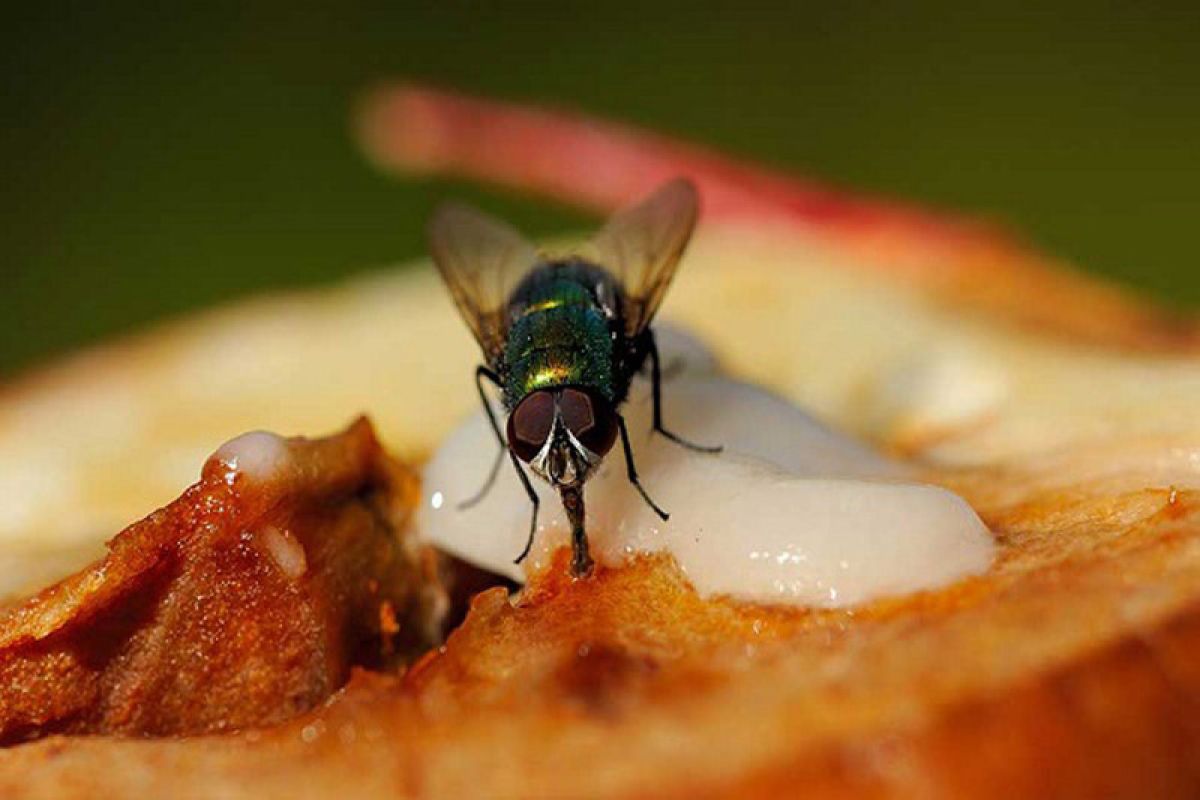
(590, 418)
(529, 425)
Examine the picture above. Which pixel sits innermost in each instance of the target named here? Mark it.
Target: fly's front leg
(656, 394)
(533, 498)
(482, 372)
(631, 470)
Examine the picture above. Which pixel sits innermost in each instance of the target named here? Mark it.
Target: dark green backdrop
(154, 160)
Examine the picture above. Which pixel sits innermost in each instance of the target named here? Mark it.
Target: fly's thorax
(567, 282)
(560, 336)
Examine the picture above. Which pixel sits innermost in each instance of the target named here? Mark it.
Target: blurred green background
(156, 159)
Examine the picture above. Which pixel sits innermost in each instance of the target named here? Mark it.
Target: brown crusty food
(242, 603)
(1067, 670)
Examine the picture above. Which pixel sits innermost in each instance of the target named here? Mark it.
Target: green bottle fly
(563, 338)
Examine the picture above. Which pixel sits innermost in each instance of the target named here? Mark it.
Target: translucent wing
(482, 260)
(642, 246)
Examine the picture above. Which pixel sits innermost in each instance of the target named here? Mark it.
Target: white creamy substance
(791, 512)
(258, 455)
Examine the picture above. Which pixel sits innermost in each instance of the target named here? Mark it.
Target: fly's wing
(642, 246)
(482, 260)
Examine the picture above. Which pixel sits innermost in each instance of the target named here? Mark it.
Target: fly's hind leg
(482, 372)
(656, 394)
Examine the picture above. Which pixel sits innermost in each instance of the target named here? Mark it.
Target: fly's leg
(656, 393)
(482, 372)
(631, 470)
(581, 560)
(533, 498)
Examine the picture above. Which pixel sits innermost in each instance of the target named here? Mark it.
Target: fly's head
(563, 434)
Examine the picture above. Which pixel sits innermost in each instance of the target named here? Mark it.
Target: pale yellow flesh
(104, 438)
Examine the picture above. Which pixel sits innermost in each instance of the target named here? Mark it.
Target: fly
(562, 338)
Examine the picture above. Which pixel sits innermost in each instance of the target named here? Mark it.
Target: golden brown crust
(242, 603)
(1067, 671)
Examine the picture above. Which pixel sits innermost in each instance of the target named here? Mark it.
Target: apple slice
(1060, 408)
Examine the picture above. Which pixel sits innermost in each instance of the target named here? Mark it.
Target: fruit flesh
(869, 354)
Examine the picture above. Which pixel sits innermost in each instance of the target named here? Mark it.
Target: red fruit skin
(601, 165)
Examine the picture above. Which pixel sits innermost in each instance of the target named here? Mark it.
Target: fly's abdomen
(560, 338)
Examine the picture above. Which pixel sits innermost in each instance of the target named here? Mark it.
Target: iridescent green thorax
(559, 337)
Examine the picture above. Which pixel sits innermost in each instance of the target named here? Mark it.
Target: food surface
(1062, 411)
(241, 604)
(604, 687)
